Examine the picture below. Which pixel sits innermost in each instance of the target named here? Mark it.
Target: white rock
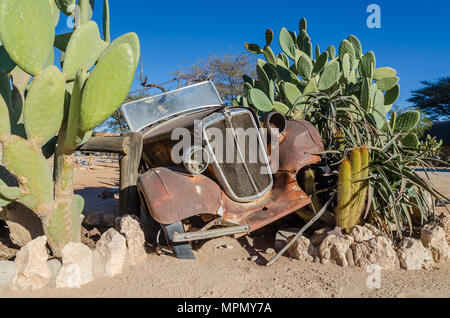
(319, 235)
(444, 222)
(302, 249)
(112, 248)
(32, 270)
(378, 251)
(7, 271)
(361, 233)
(76, 269)
(54, 265)
(413, 255)
(129, 226)
(433, 237)
(334, 248)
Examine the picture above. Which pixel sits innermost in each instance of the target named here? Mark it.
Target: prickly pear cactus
(347, 69)
(41, 106)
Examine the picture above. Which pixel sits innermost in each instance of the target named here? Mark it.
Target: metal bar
(201, 235)
(303, 229)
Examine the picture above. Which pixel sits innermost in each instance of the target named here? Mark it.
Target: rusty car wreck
(232, 198)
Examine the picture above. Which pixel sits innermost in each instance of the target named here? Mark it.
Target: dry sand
(229, 272)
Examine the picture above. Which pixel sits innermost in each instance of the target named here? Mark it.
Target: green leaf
(392, 95)
(330, 76)
(280, 107)
(287, 43)
(83, 50)
(407, 121)
(331, 52)
(27, 32)
(22, 159)
(304, 67)
(260, 100)
(291, 93)
(270, 56)
(366, 65)
(269, 37)
(320, 63)
(356, 45)
(44, 105)
(411, 141)
(107, 86)
(253, 48)
(387, 83)
(347, 48)
(383, 72)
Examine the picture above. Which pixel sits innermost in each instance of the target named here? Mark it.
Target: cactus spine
(54, 105)
(352, 188)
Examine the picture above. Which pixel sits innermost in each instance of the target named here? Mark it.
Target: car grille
(239, 158)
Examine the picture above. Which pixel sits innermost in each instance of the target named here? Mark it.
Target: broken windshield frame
(144, 112)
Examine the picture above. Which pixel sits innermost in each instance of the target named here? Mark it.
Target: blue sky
(414, 36)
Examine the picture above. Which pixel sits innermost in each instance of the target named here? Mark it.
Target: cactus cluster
(352, 188)
(47, 111)
(285, 80)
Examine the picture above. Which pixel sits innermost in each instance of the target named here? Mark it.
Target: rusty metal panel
(301, 141)
(171, 195)
(286, 197)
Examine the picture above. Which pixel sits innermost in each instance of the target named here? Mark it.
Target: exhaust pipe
(277, 121)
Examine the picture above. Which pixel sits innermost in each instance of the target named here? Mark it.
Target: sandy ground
(229, 272)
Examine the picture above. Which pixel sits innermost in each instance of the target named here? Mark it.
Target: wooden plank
(129, 164)
(114, 144)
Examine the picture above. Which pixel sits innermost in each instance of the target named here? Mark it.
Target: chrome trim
(216, 117)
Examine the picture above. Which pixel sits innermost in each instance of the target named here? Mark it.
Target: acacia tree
(433, 98)
(225, 70)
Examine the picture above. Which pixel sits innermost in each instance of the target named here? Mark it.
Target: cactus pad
(260, 100)
(30, 167)
(27, 32)
(130, 38)
(383, 72)
(287, 43)
(407, 121)
(83, 50)
(107, 86)
(330, 76)
(366, 65)
(44, 105)
(5, 125)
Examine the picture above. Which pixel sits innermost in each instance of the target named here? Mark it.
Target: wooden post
(129, 148)
(129, 165)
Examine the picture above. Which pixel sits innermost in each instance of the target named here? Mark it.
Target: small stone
(130, 227)
(413, 255)
(54, 265)
(253, 258)
(270, 251)
(433, 237)
(7, 271)
(302, 249)
(92, 219)
(112, 248)
(334, 249)
(32, 270)
(361, 233)
(76, 267)
(319, 235)
(444, 222)
(6, 253)
(377, 250)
